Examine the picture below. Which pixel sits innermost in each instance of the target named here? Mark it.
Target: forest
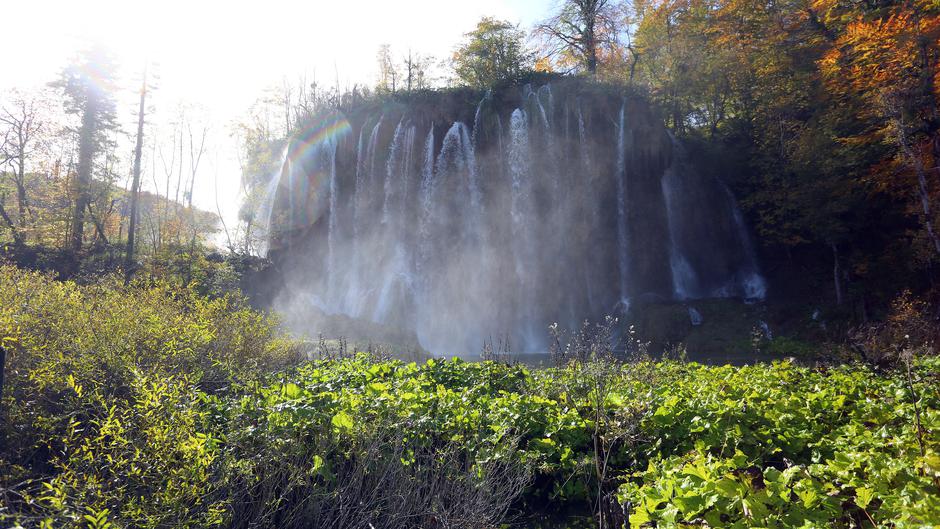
(633, 264)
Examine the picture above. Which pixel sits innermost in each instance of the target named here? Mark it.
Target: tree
(823, 113)
(87, 86)
(260, 155)
(24, 122)
(388, 71)
(494, 52)
(135, 184)
(580, 30)
(416, 71)
(889, 58)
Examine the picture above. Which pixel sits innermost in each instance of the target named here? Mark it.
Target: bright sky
(221, 55)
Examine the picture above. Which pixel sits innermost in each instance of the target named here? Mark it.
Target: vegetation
(491, 54)
(824, 116)
(153, 396)
(187, 411)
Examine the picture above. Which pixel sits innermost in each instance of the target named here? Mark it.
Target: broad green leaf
(342, 421)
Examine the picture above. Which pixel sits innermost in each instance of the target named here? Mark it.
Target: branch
(98, 227)
(554, 33)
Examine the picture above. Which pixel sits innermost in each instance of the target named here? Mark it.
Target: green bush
(106, 391)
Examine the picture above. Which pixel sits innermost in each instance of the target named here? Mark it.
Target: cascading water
(331, 268)
(684, 282)
(561, 214)
(623, 250)
(521, 214)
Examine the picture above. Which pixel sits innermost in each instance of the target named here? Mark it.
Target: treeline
(70, 193)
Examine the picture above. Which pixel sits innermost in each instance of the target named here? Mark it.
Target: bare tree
(581, 28)
(388, 72)
(591, 352)
(196, 150)
(23, 122)
(416, 71)
(218, 209)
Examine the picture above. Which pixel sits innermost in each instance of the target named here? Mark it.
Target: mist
(460, 217)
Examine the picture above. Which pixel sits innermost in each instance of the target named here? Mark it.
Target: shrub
(104, 393)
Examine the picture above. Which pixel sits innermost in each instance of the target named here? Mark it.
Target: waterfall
(365, 178)
(540, 213)
(391, 170)
(519, 173)
(684, 282)
(522, 218)
(478, 117)
(457, 159)
(331, 268)
(266, 208)
(424, 211)
(622, 240)
(752, 283)
(473, 185)
(538, 101)
(582, 140)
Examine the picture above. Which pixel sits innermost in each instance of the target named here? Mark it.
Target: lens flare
(309, 165)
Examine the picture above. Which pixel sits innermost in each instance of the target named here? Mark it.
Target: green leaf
(291, 391)
(342, 422)
(729, 488)
(863, 496)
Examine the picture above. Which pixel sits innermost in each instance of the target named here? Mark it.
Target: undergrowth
(150, 406)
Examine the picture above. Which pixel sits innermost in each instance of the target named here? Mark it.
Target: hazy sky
(221, 55)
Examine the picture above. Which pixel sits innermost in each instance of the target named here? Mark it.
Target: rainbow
(303, 187)
(329, 128)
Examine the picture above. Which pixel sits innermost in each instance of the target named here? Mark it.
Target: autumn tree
(493, 52)
(748, 79)
(581, 29)
(87, 86)
(888, 57)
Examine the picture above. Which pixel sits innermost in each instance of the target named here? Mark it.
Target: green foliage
(106, 397)
(155, 407)
(492, 53)
(783, 446)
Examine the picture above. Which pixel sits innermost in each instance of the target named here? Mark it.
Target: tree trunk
(129, 264)
(21, 190)
(3, 361)
(99, 227)
(590, 47)
(86, 156)
(915, 162)
(17, 236)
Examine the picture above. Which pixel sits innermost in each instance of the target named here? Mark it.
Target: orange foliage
(885, 55)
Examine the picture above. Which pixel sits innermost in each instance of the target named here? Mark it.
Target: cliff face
(466, 216)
